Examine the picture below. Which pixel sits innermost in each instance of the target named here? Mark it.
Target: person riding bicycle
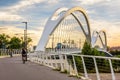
(24, 54)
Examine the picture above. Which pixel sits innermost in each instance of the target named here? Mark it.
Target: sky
(103, 15)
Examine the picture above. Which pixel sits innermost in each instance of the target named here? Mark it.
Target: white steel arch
(55, 20)
(50, 25)
(97, 35)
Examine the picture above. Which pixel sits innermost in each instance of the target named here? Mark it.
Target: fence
(83, 66)
(6, 52)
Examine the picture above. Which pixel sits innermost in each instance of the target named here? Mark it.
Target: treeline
(7, 42)
(115, 53)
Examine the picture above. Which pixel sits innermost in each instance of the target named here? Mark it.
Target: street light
(25, 35)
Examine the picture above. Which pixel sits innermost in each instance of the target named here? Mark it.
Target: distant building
(115, 48)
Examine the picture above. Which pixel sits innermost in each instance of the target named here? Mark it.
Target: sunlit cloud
(6, 16)
(91, 2)
(91, 12)
(19, 32)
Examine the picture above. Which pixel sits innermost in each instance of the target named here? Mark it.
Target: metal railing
(7, 52)
(83, 66)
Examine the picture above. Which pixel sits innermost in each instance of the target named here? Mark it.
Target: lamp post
(25, 35)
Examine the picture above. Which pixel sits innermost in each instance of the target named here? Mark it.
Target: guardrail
(9, 52)
(84, 66)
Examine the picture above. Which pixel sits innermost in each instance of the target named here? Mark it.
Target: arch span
(55, 20)
(98, 35)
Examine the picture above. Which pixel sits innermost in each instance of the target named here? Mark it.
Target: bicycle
(24, 56)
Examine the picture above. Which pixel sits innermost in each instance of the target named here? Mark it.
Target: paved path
(13, 69)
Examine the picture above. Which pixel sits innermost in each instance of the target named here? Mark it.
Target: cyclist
(24, 55)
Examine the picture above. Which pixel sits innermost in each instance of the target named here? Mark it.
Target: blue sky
(103, 14)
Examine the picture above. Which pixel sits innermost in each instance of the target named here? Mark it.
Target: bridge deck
(13, 69)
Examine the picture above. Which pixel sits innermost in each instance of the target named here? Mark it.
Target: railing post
(38, 58)
(41, 58)
(75, 65)
(111, 68)
(45, 58)
(50, 60)
(61, 61)
(84, 67)
(96, 68)
(66, 63)
(55, 62)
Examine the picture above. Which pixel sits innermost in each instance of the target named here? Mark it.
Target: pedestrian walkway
(13, 69)
(4, 56)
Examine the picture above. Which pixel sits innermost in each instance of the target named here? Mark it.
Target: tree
(97, 46)
(108, 48)
(87, 50)
(29, 40)
(15, 43)
(12, 42)
(23, 42)
(4, 40)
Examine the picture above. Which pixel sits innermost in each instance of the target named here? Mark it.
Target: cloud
(113, 8)
(18, 32)
(91, 2)
(52, 1)
(91, 12)
(15, 12)
(6, 16)
(23, 4)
